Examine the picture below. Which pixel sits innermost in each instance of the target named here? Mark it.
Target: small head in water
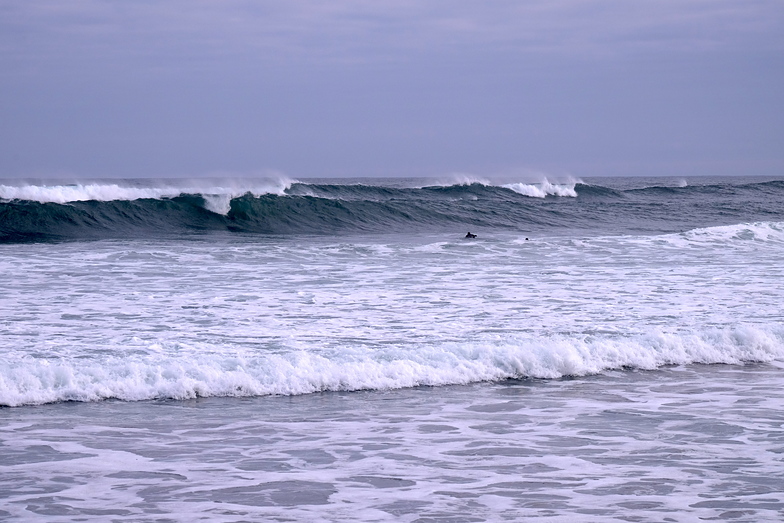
(469, 235)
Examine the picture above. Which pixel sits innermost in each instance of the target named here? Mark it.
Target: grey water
(692, 443)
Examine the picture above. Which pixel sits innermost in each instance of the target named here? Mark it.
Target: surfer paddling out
(469, 235)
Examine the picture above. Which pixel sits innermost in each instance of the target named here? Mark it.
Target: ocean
(607, 349)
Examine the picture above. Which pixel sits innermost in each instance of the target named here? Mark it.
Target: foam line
(182, 374)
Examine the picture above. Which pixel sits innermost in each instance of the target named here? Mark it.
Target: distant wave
(30, 381)
(216, 196)
(108, 191)
(683, 187)
(32, 212)
(44, 212)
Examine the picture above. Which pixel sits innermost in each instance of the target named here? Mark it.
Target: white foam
(543, 189)
(722, 237)
(741, 235)
(745, 232)
(539, 189)
(217, 195)
(162, 318)
(460, 179)
(181, 372)
(82, 192)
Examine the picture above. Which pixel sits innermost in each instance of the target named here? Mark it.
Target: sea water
(338, 351)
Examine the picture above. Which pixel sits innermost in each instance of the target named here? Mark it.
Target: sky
(344, 88)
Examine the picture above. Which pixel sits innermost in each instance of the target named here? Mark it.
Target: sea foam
(181, 373)
(745, 232)
(724, 237)
(540, 189)
(543, 189)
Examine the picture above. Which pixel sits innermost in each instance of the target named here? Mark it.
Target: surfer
(469, 235)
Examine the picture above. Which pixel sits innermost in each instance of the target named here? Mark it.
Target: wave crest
(217, 195)
(543, 189)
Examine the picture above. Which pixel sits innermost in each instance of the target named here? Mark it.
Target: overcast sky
(131, 88)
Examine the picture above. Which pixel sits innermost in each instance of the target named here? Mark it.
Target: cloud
(348, 86)
(360, 31)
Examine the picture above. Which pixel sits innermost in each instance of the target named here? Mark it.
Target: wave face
(126, 209)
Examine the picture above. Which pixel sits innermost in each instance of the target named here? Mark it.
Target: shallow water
(135, 320)
(678, 444)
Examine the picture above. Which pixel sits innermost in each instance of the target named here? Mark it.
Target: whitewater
(337, 350)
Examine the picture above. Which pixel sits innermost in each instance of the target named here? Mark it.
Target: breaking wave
(200, 373)
(217, 196)
(41, 212)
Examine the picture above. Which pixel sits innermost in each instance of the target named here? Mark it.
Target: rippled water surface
(679, 444)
